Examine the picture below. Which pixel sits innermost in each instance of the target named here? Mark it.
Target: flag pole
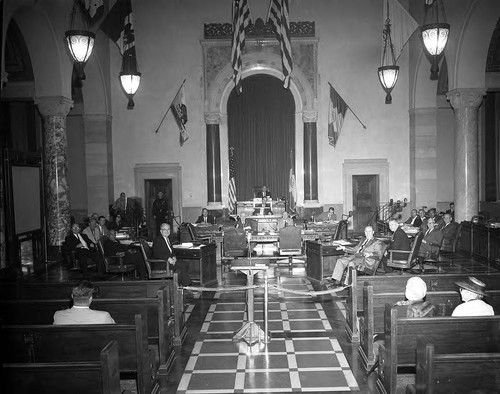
(350, 109)
(170, 106)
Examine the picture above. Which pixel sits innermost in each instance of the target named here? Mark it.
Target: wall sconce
(388, 72)
(435, 32)
(80, 42)
(130, 78)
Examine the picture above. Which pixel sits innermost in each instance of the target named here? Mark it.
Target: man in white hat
(472, 293)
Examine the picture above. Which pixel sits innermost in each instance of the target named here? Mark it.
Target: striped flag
(292, 189)
(232, 184)
(241, 19)
(280, 21)
(336, 115)
(118, 25)
(179, 110)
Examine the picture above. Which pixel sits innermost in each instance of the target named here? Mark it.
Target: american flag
(280, 21)
(241, 19)
(232, 184)
(336, 115)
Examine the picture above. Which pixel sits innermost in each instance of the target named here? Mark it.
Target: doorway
(151, 189)
(365, 198)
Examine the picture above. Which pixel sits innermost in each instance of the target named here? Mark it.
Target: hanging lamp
(388, 72)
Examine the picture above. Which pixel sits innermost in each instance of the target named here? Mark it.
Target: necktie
(363, 245)
(205, 219)
(168, 245)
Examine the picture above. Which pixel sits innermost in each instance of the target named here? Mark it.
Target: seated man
(423, 218)
(93, 231)
(472, 293)
(327, 217)
(205, 218)
(365, 254)
(399, 241)
(431, 243)
(438, 220)
(82, 246)
(450, 232)
(81, 313)
(414, 220)
(265, 207)
(285, 220)
(113, 247)
(102, 225)
(243, 223)
(162, 249)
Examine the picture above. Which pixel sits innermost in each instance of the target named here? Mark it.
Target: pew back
(97, 377)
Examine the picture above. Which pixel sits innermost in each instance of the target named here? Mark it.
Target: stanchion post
(266, 336)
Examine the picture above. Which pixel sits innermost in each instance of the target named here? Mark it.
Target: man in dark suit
(431, 242)
(450, 232)
(205, 218)
(113, 247)
(162, 249)
(451, 211)
(366, 253)
(82, 246)
(414, 220)
(399, 241)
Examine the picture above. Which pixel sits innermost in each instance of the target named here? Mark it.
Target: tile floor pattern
(302, 355)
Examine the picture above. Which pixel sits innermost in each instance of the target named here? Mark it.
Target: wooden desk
(323, 228)
(321, 258)
(201, 260)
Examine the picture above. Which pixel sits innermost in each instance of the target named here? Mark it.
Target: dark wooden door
(365, 197)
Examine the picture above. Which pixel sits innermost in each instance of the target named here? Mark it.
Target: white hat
(415, 289)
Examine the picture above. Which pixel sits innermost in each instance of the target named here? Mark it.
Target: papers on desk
(269, 233)
(187, 245)
(341, 242)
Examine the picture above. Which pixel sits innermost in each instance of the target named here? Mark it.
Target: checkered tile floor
(302, 355)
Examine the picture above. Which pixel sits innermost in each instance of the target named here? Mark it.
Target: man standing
(113, 247)
(82, 246)
(429, 248)
(162, 249)
(160, 211)
(81, 313)
(366, 253)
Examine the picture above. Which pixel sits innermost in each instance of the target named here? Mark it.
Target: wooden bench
(397, 284)
(454, 372)
(101, 376)
(123, 310)
(449, 334)
(75, 343)
(372, 320)
(109, 290)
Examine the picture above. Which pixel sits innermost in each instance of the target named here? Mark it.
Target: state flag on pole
(118, 25)
(232, 184)
(179, 110)
(336, 115)
(278, 17)
(241, 19)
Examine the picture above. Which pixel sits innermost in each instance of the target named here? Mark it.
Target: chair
(373, 270)
(114, 264)
(341, 232)
(235, 245)
(290, 244)
(450, 243)
(194, 235)
(157, 268)
(412, 259)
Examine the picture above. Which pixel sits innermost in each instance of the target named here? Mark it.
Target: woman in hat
(415, 292)
(472, 293)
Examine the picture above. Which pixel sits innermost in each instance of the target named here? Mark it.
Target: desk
(250, 332)
(262, 238)
(320, 259)
(201, 260)
(278, 207)
(323, 228)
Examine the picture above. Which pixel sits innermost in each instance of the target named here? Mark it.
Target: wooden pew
(372, 320)
(397, 284)
(90, 377)
(70, 343)
(454, 372)
(122, 310)
(450, 335)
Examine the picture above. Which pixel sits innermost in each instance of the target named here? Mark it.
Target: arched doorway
(261, 128)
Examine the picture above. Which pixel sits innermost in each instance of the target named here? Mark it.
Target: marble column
(465, 104)
(55, 168)
(310, 156)
(214, 189)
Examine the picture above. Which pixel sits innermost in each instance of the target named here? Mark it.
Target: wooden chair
(157, 268)
(290, 244)
(412, 258)
(341, 232)
(373, 270)
(449, 246)
(194, 235)
(114, 264)
(235, 245)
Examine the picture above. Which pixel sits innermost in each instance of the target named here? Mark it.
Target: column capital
(466, 97)
(53, 105)
(212, 117)
(309, 116)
